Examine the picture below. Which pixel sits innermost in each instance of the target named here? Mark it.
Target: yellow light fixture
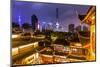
(93, 18)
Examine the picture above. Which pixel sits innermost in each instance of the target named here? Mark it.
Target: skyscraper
(71, 27)
(34, 21)
(78, 28)
(85, 28)
(44, 24)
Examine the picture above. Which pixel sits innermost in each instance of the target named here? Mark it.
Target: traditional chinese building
(90, 19)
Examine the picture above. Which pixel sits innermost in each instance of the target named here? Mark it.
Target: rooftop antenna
(57, 19)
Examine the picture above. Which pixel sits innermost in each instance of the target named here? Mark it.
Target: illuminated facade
(90, 19)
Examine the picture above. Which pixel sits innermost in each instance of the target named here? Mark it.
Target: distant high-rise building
(71, 27)
(44, 26)
(49, 26)
(34, 21)
(78, 28)
(85, 28)
(57, 26)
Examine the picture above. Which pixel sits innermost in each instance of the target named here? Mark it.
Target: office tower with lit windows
(34, 22)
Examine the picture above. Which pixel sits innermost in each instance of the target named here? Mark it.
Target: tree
(15, 25)
(26, 25)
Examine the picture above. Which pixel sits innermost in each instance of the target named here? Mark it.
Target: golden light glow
(93, 18)
(92, 28)
(30, 57)
(74, 49)
(26, 45)
(47, 55)
(60, 56)
(37, 55)
(14, 51)
(78, 44)
(34, 44)
(14, 36)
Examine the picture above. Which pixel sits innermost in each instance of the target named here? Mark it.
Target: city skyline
(22, 12)
(44, 33)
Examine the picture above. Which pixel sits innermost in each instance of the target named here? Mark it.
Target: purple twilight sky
(47, 12)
